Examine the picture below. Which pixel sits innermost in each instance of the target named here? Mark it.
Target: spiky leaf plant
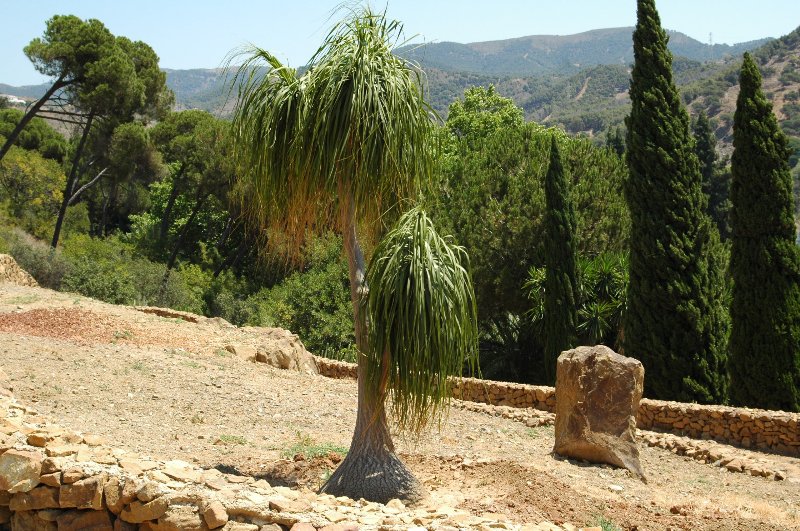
(423, 319)
(354, 127)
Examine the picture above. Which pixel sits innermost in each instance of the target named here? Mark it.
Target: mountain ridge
(540, 54)
(583, 99)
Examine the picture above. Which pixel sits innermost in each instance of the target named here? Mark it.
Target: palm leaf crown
(423, 319)
(354, 123)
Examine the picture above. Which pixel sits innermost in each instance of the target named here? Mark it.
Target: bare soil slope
(169, 389)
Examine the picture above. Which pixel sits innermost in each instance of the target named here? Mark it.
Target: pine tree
(560, 285)
(765, 265)
(716, 180)
(673, 323)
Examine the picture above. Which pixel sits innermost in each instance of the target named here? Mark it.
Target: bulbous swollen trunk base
(375, 477)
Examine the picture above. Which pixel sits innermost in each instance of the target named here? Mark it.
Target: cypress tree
(560, 284)
(716, 181)
(705, 148)
(765, 266)
(673, 322)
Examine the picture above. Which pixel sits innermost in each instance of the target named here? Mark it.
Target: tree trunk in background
(371, 470)
(201, 199)
(173, 195)
(232, 259)
(71, 181)
(223, 239)
(28, 116)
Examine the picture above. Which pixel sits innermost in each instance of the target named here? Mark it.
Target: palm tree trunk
(371, 469)
(28, 116)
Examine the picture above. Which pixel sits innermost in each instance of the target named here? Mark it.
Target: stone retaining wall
(13, 274)
(56, 479)
(772, 431)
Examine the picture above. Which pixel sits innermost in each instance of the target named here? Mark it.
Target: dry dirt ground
(167, 388)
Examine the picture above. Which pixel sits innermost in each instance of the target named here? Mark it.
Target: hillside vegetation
(560, 54)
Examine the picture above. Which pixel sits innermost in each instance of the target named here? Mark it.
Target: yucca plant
(345, 145)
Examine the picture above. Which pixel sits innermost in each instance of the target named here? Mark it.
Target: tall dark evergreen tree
(765, 265)
(716, 180)
(673, 322)
(705, 148)
(560, 285)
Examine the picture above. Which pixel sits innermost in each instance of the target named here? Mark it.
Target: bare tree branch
(86, 186)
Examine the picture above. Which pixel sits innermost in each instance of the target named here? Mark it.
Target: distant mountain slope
(26, 91)
(199, 88)
(779, 61)
(581, 84)
(563, 54)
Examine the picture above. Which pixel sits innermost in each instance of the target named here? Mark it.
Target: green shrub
(48, 267)
(99, 269)
(313, 303)
(150, 290)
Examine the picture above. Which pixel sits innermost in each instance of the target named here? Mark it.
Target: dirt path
(583, 88)
(168, 389)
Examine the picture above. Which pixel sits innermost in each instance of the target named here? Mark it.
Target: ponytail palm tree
(344, 145)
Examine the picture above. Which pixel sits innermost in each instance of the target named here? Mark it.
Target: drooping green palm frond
(355, 123)
(423, 319)
(367, 120)
(268, 122)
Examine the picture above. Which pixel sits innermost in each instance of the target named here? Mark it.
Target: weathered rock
(138, 512)
(12, 273)
(29, 521)
(49, 515)
(282, 505)
(284, 350)
(84, 494)
(215, 515)
(85, 521)
(241, 526)
(181, 517)
(51, 480)
(19, 471)
(72, 474)
(53, 464)
(122, 525)
(597, 397)
(38, 498)
(118, 493)
(182, 471)
(150, 490)
(340, 527)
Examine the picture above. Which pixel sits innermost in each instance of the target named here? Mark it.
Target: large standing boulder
(597, 397)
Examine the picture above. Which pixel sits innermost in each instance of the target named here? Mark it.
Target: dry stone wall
(12, 273)
(55, 479)
(772, 431)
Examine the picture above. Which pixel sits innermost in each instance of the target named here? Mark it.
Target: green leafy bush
(48, 267)
(314, 302)
(98, 269)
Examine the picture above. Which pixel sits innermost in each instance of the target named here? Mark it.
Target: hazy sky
(199, 33)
